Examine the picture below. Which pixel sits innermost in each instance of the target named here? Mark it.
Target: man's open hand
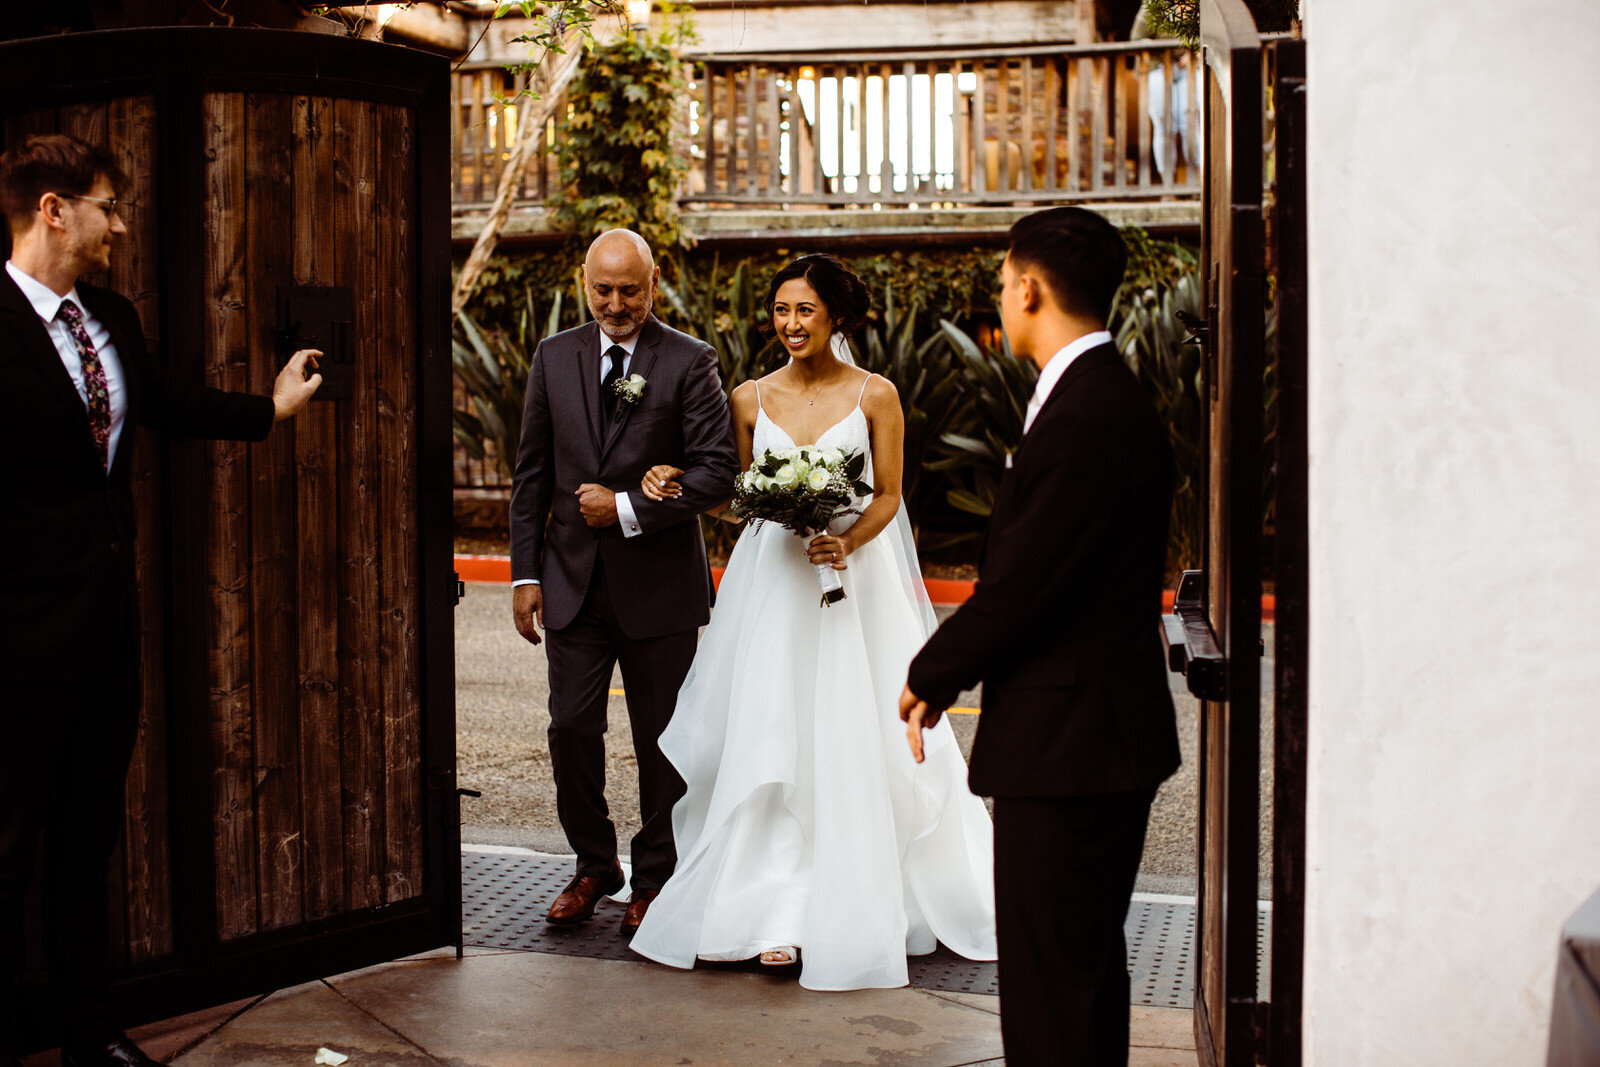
(598, 504)
(293, 389)
(914, 712)
(527, 609)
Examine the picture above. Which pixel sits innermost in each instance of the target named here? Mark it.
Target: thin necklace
(815, 392)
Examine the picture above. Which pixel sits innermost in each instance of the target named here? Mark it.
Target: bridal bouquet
(803, 489)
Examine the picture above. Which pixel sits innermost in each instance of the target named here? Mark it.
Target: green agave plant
(725, 317)
(994, 388)
(493, 369)
(1159, 350)
(927, 377)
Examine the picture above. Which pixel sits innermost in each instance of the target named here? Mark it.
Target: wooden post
(1117, 83)
(708, 123)
(1142, 117)
(980, 141)
(1052, 121)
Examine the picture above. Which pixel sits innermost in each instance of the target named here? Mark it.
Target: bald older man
(610, 575)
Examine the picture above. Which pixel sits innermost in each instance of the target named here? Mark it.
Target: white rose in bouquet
(786, 477)
(833, 457)
(818, 479)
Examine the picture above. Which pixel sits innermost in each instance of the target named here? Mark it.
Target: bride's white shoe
(781, 956)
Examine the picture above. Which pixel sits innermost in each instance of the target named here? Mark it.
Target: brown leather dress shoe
(636, 909)
(576, 902)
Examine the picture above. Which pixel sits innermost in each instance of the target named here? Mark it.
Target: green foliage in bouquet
(801, 489)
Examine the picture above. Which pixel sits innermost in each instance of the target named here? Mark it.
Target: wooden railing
(483, 129)
(1010, 125)
(1019, 124)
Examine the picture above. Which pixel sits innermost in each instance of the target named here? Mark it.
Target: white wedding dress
(806, 821)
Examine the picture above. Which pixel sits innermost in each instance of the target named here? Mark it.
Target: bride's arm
(887, 428)
(659, 482)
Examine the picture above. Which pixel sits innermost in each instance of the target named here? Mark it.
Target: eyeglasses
(108, 206)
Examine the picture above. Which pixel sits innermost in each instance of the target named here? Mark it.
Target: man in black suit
(1077, 729)
(76, 379)
(612, 575)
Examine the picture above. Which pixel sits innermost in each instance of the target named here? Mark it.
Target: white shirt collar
(1056, 367)
(44, 299)
(627, 346)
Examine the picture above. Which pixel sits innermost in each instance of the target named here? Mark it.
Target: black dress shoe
(115, 1052)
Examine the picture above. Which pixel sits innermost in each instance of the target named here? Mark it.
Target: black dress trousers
(64, 752)
(581, 656)
(1064, 872)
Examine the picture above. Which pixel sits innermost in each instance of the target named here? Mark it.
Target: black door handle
(1192, 649)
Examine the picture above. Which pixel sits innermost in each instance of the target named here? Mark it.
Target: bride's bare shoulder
(878, 392)
(743, 399)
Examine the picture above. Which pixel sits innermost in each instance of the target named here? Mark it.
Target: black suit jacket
(659, 581)
(67, 524)
(1062, 627)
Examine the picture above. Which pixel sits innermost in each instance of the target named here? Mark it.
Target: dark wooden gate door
(292, 810)
(1229, 589)
(1215, 634)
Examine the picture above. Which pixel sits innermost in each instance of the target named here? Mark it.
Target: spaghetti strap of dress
(863, 396)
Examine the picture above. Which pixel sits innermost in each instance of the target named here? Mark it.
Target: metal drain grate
(504, 898)
(1161, 951)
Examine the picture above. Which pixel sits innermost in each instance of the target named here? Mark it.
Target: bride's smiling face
(801, 319)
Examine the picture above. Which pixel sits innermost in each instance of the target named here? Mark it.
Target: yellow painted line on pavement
(952, 711)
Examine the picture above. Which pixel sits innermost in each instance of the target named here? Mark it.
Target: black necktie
(608, 392)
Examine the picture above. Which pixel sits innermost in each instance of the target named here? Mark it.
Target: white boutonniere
(630, 389)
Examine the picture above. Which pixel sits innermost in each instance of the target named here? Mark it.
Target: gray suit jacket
(659, 582)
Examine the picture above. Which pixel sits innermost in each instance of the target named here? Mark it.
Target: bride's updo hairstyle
(843, 293)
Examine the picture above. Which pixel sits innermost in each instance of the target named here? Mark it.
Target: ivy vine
(618, 167)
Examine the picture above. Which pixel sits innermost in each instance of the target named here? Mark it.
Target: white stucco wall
(1454, 813)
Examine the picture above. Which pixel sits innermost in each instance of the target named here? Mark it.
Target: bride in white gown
(806, 828)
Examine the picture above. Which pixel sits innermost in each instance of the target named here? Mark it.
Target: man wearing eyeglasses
(76, 377)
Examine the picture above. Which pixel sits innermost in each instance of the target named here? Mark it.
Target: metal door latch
(1192, 649)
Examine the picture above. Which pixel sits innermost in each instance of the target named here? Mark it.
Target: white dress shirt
(1055, 368)
(625, 513)
(46, 303)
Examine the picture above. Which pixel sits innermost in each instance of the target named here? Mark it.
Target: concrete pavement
(515, 1009)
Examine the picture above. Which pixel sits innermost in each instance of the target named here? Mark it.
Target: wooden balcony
(935, 141)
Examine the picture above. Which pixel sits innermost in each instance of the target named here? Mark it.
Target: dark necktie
(94, 379)
(608, 392)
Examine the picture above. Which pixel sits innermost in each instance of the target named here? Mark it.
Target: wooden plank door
(291, 805)
(1226, 1008)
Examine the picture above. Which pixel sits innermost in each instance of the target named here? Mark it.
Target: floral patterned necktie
(94, 379)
